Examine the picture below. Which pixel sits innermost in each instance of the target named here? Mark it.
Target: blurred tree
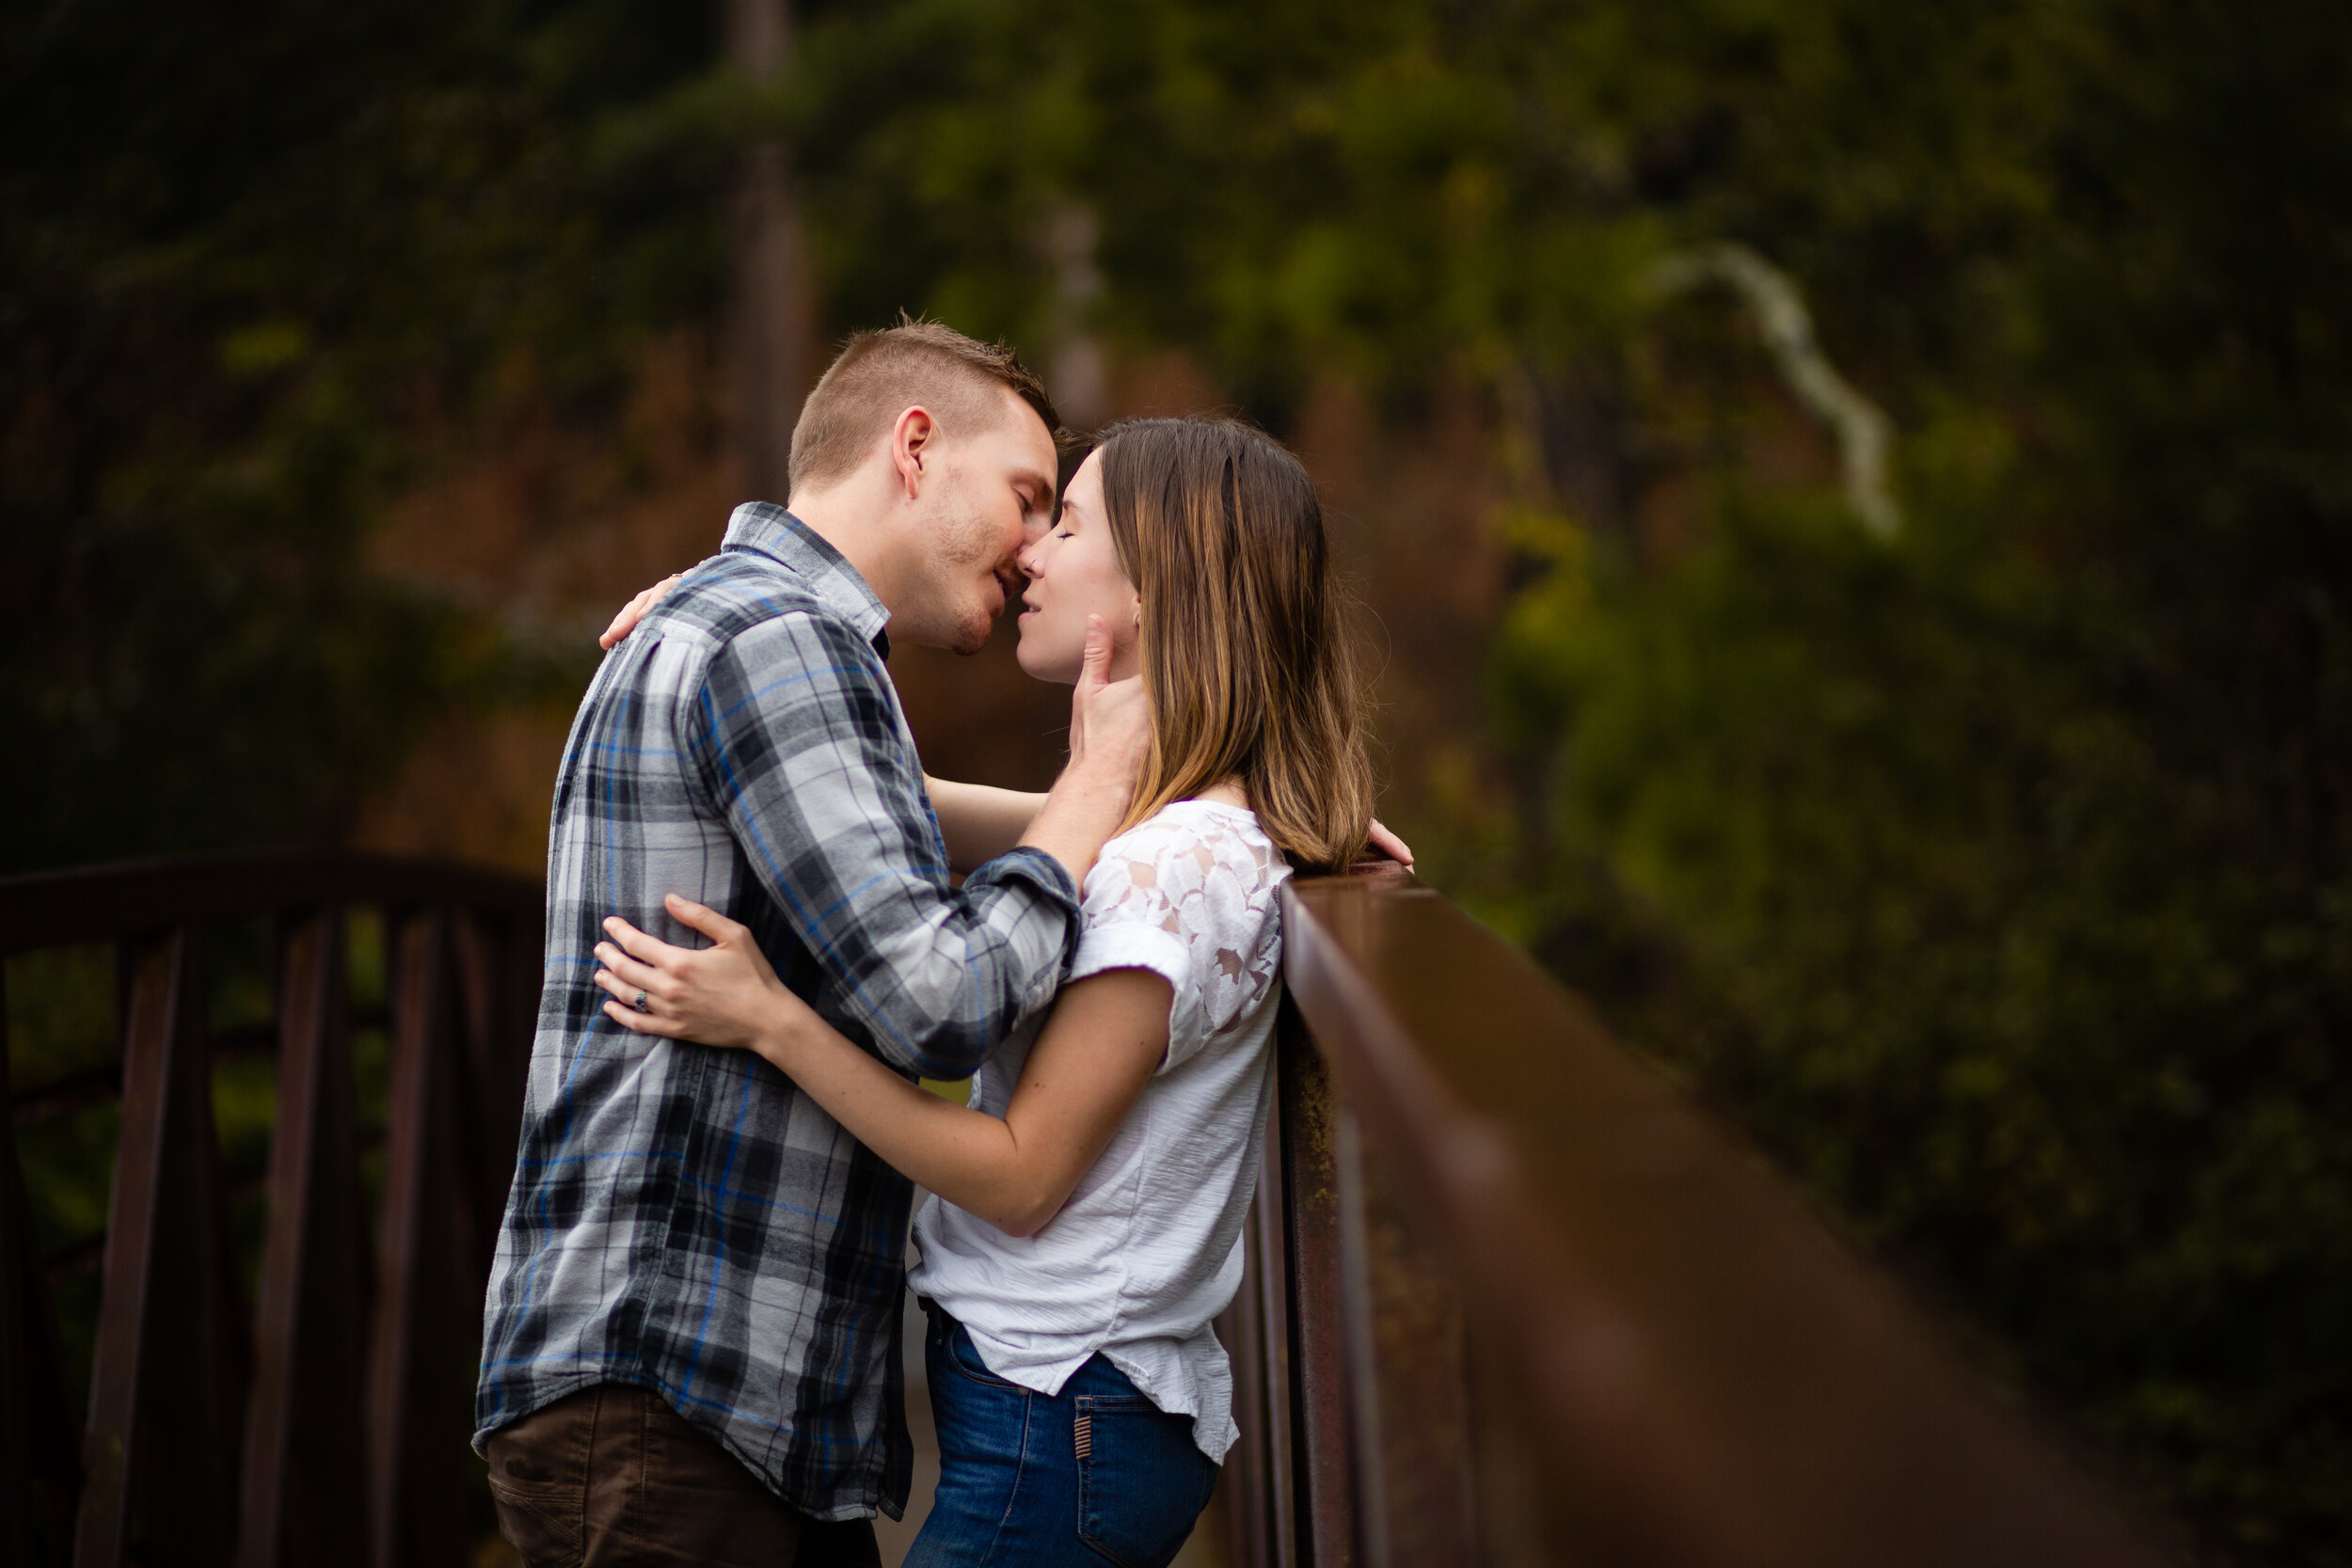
(256, 270)
(769, 313)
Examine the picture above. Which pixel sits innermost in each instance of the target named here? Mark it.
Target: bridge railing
(1511, 1300)
(316, 1413)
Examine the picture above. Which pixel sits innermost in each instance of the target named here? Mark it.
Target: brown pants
(612, 1478)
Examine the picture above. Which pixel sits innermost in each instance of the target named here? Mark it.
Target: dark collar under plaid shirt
(682, 1218)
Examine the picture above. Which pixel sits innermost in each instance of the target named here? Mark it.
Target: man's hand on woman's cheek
(1110, 721)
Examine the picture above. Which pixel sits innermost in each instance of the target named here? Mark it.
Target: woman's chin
(1038, 665)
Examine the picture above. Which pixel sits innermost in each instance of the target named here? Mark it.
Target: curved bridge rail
(323, 1421)
(1511, 1300)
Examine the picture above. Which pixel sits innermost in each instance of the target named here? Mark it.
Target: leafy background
(355, 358)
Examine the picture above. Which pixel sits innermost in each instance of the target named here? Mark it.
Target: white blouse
(1148, 1249)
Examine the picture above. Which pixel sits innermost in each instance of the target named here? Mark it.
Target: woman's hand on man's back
(634, 612)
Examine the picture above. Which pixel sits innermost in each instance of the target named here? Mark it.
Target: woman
(1087, 1210)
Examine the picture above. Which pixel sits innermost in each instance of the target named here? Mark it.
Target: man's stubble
(963, 544)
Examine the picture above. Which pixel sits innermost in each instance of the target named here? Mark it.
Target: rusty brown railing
(1510, 1300)
(325, 1421)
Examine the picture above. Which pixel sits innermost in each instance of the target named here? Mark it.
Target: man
(691, 1346)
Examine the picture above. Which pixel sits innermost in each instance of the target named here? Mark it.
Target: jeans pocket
(1142, 1482)
(963, 1356)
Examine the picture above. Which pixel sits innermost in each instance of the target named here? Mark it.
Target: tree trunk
(769, 329)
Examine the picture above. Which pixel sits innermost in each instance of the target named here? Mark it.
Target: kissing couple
(756, 947)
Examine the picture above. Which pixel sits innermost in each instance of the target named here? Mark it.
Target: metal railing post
(305, 1453)
(215, 1435)
(170, 1341)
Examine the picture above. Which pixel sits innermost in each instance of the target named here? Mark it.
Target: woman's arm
(979, 821)
(1106, 1034)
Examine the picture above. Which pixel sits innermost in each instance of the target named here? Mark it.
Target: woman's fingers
(646, 949)
(625, 990)
(719, 995)
(643, 1023)
(624, 621)
(622, 933)
(1390, 844)
(649, 1019)
(634, 612)
(637, 977)
(703, 918)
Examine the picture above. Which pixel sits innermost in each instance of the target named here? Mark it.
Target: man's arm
(796, 739)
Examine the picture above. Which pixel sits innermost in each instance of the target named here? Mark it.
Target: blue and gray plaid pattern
(682, 1218)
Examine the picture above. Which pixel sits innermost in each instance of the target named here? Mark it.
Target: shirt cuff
(1048, 877)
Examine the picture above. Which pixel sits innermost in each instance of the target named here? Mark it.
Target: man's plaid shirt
(682, 1218)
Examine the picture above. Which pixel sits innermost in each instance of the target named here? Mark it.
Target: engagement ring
(640, 1004)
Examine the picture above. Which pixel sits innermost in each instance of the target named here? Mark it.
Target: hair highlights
(1246, 650)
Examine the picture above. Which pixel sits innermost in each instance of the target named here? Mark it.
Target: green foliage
(1995, 879)
(1925, 907)
(1999, 881)
(255, 273)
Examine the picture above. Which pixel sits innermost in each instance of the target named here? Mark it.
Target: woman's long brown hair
(1245, 651)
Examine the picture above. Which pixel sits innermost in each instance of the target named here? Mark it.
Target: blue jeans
(1095, 1474)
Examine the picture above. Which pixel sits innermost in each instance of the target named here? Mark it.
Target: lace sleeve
(1194, 908)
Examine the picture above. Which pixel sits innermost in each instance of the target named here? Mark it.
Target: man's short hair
(879, 375)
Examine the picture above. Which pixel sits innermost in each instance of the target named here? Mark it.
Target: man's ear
(912, 437)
